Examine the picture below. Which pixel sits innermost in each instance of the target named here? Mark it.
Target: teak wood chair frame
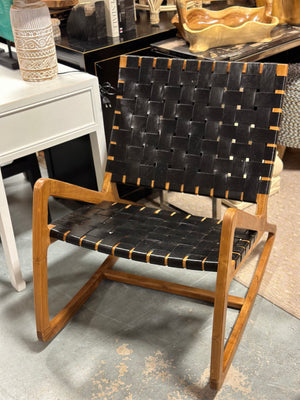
(221, 356)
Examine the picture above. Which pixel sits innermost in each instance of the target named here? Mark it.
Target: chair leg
(218, 331)
(46, 329)
(40, 281)
(221, 358)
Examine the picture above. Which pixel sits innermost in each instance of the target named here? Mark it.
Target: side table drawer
(57, 119)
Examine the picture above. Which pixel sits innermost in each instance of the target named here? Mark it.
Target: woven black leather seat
(148, 235)
(201, 127)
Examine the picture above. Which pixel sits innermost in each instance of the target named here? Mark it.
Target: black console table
(85, 55)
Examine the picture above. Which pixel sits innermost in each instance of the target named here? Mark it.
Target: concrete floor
(130, 343)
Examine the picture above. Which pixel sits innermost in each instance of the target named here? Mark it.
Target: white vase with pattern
(34, 40)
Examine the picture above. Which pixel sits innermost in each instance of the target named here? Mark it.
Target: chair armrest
(43, 189)
(233, 219)
(240, 219)
(46, 187)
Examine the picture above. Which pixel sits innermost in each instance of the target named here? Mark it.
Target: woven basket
(289, 134)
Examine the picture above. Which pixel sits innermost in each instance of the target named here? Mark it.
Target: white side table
(38, 115)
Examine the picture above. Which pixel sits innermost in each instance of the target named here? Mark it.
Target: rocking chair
(202, 127)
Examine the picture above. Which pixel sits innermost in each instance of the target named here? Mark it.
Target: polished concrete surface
(129, 343)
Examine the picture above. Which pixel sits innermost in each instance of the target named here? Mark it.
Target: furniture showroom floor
(129, 343)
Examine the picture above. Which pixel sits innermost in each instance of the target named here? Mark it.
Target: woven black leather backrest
(201, 127)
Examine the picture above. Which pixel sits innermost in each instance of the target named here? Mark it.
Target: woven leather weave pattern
(149, 235)
(196, 127)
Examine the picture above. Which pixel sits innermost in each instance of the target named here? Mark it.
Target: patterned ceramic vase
(34, 41)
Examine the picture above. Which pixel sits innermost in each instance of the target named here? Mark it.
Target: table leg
(216, 208)
(9, 243)
(97, 138)
(163, 195)
(99, 156)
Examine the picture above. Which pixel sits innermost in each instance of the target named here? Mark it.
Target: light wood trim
(239, 327)
(43, 189)
(221, 358)
(236, 218)
(224, 276)
(170, 287)
(49, 329)
(41, 242)
(261, 204)
(50, 187)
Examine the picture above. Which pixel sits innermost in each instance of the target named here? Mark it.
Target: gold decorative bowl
(204, 29)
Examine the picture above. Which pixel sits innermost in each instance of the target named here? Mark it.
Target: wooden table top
(284, 37)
